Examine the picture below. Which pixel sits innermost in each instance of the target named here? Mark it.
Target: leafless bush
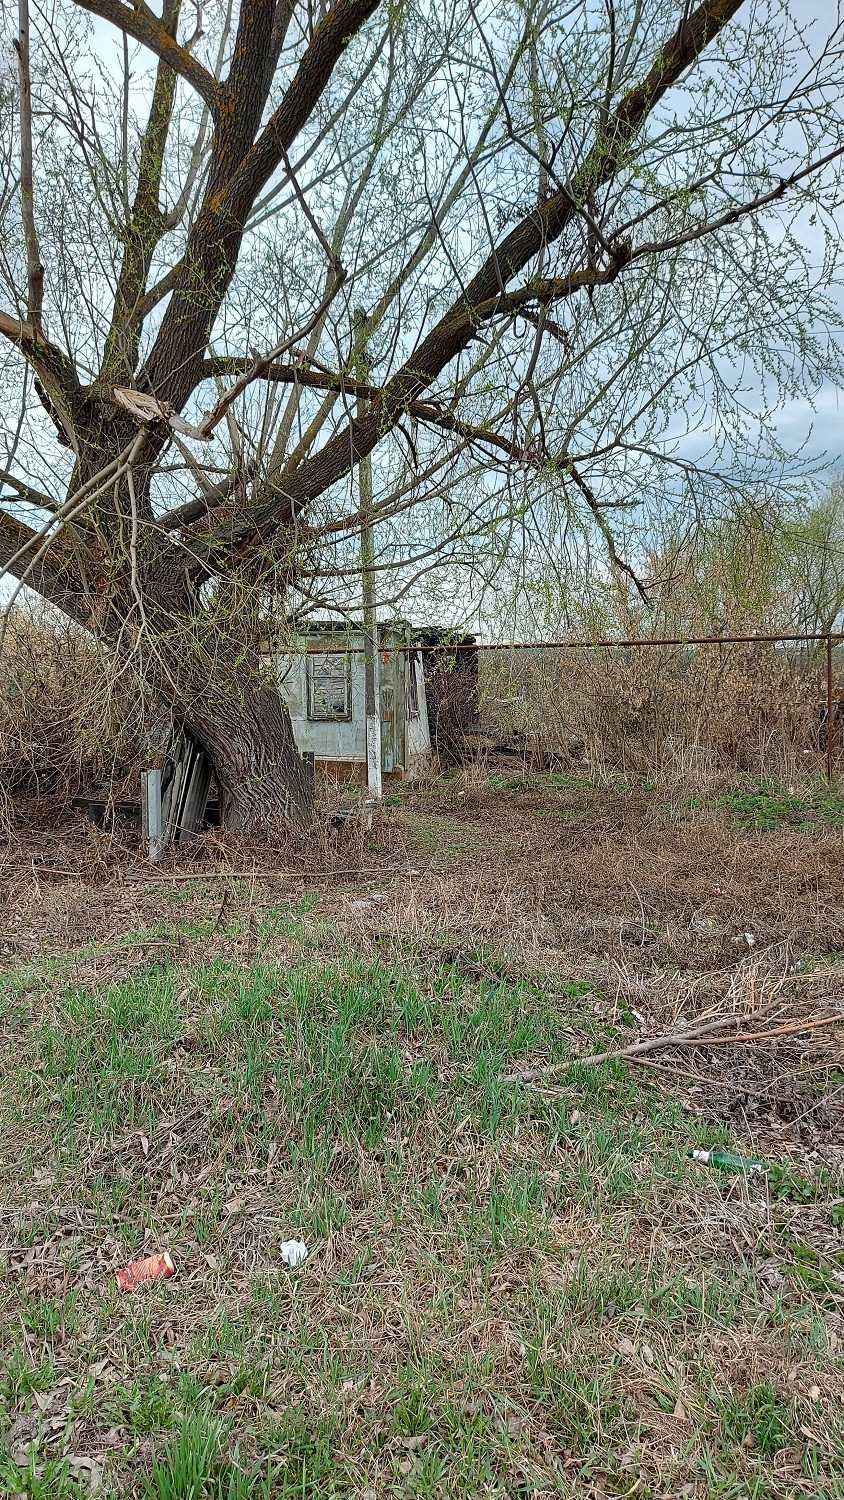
(676, 714)
(452, 696)
(70, 720)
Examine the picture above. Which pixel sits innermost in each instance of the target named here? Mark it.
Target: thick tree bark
(243, 724)
(201, 660)
(214, 685)
(246, 731)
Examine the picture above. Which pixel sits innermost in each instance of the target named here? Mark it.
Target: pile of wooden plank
(174, 794)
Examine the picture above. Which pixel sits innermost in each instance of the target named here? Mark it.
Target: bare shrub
(678, 714)
(70, 720)
(452, 710)
(451, 664)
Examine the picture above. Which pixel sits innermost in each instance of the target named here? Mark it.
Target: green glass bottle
(728, 1161)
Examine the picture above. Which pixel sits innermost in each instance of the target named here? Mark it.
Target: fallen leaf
(83, 1467)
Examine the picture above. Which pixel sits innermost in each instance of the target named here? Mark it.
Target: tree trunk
(214, 685)
(202, 659)
(264, 783)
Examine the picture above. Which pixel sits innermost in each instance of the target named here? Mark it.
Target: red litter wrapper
(139, 1271)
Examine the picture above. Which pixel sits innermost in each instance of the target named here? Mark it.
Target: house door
(388, 727)
(392, 711)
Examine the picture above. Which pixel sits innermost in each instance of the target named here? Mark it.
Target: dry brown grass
(663, 910)
(70, 721)
(507, 1292)
(680, 715)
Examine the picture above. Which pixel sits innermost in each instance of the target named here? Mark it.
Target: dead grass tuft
(688, 716)
(70, 720)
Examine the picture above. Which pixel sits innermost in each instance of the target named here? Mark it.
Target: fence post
(151, 821)
(829, 707)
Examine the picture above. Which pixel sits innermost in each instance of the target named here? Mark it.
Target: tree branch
(146, 224)
(26, 492)
(161, 289)
(542, 226)
(175, 364)
(140, 22)
(26, 564)
(62, 395)
(330, 40)
(423, 411)
(34, 268)
(58, 584)
(264, 361)
(605, 529)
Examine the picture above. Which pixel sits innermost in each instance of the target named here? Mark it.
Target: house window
(412, 687)
(329, 686)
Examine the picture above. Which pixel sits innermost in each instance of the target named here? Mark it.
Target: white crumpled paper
(293, 1252)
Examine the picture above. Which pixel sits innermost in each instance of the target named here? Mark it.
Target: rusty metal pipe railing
(445, 647)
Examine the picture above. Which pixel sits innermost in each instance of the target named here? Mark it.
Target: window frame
(323, 654)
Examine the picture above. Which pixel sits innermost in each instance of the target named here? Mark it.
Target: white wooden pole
(152, 799)
(372, 686)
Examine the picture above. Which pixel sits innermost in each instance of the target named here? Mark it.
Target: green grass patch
(769, 807)
(505, 1291)
(756, 1416)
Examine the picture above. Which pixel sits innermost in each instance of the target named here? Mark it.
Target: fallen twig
(692, 1036)
(768, 1036)
(142, 878)
(633, 1049)
(258, 874)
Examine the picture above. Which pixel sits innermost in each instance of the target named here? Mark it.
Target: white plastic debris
(293, 1252)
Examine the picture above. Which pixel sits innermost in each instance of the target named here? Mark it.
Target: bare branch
(174, 367)
(61, 393)
(161, 290)
(454, 331)
(26, 561)
(34, 268)
(140, 22)
(26, 493)
(606, 530)
(263, 362)
(59, 583)
(329, 41)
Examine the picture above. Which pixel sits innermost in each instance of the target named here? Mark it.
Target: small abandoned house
(323, 682)
(426, 692)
